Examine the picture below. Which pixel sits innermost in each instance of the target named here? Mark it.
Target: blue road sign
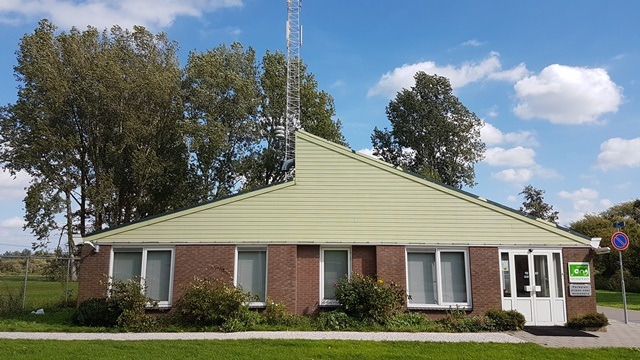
(620, 241)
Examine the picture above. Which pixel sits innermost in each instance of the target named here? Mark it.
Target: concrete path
(617, 334)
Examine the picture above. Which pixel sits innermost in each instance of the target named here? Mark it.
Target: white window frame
(143, 271)
(254, 304)
(332, 302)
(440, 304)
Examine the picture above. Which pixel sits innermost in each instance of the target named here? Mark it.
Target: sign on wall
(579, 272)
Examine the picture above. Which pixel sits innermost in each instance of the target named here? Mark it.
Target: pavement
(617, 334)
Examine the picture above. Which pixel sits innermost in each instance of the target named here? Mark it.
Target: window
(251, 273)
(153, 266)
(335, 264)
(438, 278)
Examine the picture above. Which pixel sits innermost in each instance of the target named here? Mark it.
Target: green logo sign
(579, 272)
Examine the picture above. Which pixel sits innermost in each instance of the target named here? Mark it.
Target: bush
(209, 302)
(365, 297)
(96, 312)
(505, 320)
(275, 313)
(128, 296)
(334, 320)
(591, 320)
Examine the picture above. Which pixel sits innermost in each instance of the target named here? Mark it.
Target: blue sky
(557, 83)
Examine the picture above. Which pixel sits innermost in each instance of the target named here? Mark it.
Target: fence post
(24, 289)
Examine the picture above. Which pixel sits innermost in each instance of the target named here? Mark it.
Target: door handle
(527, 288)
(538, 288)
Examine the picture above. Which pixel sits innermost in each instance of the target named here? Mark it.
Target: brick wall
(215, 261)
(94, 272)
(282, 275)
(578, 305)
(363, 260)
(308, 267)
(391, 264)
(485, 279)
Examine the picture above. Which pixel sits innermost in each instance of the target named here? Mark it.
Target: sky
(557, 83)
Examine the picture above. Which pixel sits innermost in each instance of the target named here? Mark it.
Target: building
(347, 212)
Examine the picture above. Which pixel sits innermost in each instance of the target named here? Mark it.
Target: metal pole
(66, 290)
(624, 293)
(24, 288)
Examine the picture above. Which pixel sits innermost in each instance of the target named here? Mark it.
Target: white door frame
(532, 283)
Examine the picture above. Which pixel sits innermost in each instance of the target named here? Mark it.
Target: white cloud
(14, 222)
(518, 156)
(491, 136)
(472, 42)
(106, 13)
(567, 95)
(366, 151)
(13, 188)
(584, 201)
(489, 68)
(515, 176)
(617, 152)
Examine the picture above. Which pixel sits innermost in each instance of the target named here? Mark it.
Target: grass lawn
(293, 349)
(40, 292)
(614, 299)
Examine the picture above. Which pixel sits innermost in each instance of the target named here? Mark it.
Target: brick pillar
(578, 305)
(363, 260)
(215, 261)
(484, 263)
(94, 272)
(391, 264)
(308, 287)
(282, 275)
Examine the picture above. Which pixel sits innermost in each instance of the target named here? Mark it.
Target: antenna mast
(294, 42)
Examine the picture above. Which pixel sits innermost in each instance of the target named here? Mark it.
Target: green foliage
(334, 320)
(607, 267)
(591, 320)
(432, 133)
(97, 312)
(129, 300)
(505, 320)
(211, 302)
(365, 297)
(275, 312)
(535, 206)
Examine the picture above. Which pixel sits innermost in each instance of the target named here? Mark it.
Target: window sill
(439, 307)
(329, 303)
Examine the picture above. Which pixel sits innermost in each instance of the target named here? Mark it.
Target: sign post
(620, 241)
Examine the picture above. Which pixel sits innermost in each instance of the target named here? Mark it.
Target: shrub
(334, 320)
(128, 296)
(275, 313)
(591, 320)
(209, 302)
(505, 320)
(10, 304)
(365, 297)
(96, 312)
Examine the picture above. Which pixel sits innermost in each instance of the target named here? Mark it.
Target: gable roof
(339, 196)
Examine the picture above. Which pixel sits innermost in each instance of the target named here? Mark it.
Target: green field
(40, 292)
(614, 299)
(293, 349)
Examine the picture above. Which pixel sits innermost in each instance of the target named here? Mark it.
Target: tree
(317, 111)
(96, 125)
(534, 205)
(222, 99)
(607, 267)
(432, 133)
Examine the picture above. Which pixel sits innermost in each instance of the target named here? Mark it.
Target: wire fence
(37, 282)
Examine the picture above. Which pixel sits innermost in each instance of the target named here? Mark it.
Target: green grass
(293, 349)
(40, 292)
(614, 299)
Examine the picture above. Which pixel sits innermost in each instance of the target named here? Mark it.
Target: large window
(251, 273)
(335, 264)
(152, 266)
(438, 278)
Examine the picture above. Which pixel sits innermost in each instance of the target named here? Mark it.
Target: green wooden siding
(343, 197)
